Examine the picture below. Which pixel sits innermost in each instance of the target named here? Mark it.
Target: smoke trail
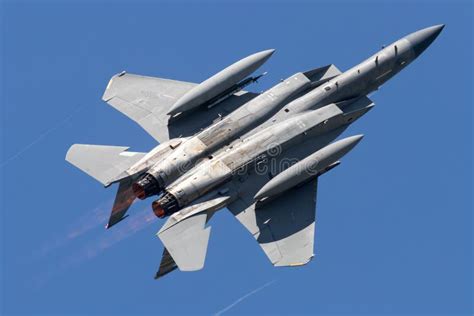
(240, 300)
(98, 245)
(109, 238)
(90, 220)
(129, 227)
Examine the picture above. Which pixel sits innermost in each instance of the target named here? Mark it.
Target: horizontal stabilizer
(187, 242)
(106, 164)
(185, 234)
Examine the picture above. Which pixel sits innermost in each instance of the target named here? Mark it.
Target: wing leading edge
(146, 100)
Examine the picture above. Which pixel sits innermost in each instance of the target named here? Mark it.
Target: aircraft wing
(146, 100)
(283, 227)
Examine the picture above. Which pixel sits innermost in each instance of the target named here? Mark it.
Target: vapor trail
(240, 300)
(86, 222)
(95, 247)
(109, 238)
(41, 137)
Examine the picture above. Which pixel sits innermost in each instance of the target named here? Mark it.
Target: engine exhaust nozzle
(165, 206)
(146, 187)
(158, 209)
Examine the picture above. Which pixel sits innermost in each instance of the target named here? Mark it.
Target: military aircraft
(258, 155)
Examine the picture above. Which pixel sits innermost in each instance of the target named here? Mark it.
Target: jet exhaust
(165, 206)
(146, 187)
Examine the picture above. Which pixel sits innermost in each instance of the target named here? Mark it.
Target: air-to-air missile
(312, 166)
(223, 84)
(259, 155)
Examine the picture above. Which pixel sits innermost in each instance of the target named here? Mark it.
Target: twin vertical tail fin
(123, 200)
(108, 164)
(167, 265)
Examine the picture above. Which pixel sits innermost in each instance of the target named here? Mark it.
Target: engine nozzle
(165, 206)
(158, 209)
(146, 186)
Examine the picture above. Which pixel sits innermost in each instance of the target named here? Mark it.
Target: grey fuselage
(243, 119)
(284, 101)
(358, 81)
(317, 112)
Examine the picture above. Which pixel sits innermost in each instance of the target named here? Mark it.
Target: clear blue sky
(394, 221)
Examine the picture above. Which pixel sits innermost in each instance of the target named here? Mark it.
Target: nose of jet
(421, 39)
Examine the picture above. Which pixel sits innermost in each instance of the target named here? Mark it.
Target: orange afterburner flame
(158, 209)
(139, 191)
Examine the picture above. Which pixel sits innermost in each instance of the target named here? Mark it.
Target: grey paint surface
(220, 82)
(259, 155)
(307, 168)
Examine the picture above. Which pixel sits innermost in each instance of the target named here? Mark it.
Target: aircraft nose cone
(421, 39)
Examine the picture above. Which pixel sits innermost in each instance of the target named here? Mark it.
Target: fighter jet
(220, 147)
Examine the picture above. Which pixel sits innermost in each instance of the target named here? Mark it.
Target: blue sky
(394, 221)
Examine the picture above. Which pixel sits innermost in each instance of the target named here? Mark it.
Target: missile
(234, 89)
(219, 86)
(308, 168)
